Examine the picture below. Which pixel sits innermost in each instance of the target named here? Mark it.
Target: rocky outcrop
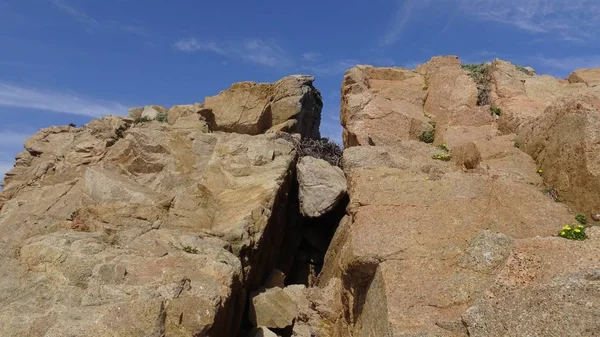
(291, 104)
(206, 220)
(453, 238)
(152, 226)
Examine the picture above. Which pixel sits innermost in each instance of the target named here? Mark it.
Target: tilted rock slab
(321, 186)
(148, 229)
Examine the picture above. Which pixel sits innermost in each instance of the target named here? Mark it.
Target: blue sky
(68, 61)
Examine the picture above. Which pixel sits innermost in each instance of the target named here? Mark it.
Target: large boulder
(146, 229)
(321, 186)
(253, 108)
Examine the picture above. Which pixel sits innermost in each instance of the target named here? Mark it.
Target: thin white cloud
(570, 63)
(77, 14)
(311, 56)
(16, 96)
(571, 20)
(11, 138)
(404, 13)
(253, 50)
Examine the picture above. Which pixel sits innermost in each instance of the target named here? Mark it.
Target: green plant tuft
(141, 120)
(444, 147)
(495, 110)
(524, 70)
(479, 73)
(427, 136)
(573, 232)
(190, 250)
(581, 219)
(442, 156)
(425, 87)
(162, 117)
(517, 144)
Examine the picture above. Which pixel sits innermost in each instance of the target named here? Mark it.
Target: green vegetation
(479, 73)
(517, 144)
(525, 70)
(495, 110)
(140, 120)
(162, 117)
(442, 156)
(432, 123)
(540, 171)
(425, 87)
(581, 219)
(444, 147)
(190, 250)
(427, 136)
(572, 232)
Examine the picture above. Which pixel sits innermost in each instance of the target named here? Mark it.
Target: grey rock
(322, 186)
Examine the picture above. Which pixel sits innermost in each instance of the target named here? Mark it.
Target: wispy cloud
(572, 20)
(311, 56)
(569, 20)
(16, 96)
(93, 24)
(254, 50)
(403, 14)
(77, 14)
(10, 138)
(570, 63)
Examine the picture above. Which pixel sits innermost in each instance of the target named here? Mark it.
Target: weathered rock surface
(140, 229)
(382, 106)
(261, 332)
(464, 247)
(273, 308)
(291, 104)
(321, 186)
(557, 124)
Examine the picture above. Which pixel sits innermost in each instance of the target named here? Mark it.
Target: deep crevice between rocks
(302, 251)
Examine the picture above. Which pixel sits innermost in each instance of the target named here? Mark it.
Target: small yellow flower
(562, 233)
(580, 226)
(567, 228)
(578, 230)
(540, 171)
